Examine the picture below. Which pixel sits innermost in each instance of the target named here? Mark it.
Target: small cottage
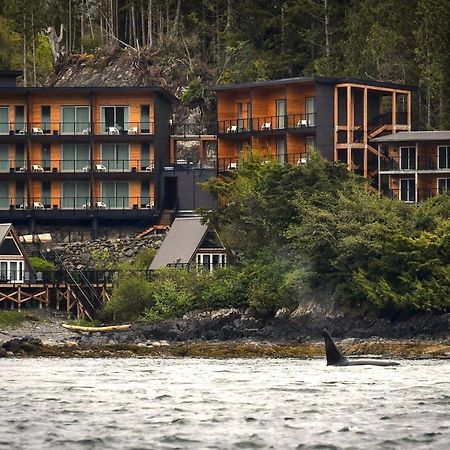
(190, 243)
(14, 263)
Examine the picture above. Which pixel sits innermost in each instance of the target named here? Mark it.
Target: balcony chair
(266, 126)
(232, 166)
(100, 168)
(302, 123)
(38, 205)
(150, 205)
(86, 169)
(37, 131)
(301, 161)
(133, 131)
(150, 168)
(22, 131)
(232, 129)
(37, 168)
(113, 130)
(86, 131)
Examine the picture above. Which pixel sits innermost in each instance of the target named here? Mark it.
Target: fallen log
(79, 328)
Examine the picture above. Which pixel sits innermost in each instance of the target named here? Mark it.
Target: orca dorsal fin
(334, 355)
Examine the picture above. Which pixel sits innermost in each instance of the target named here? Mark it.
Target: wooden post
(365, 133)
(19, 298)
(409, 110)
(394, 112)
(336, 121)
(349, 127)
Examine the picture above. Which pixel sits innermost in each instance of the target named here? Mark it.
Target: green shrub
(130, 297)
(41, 265)
(144, 258)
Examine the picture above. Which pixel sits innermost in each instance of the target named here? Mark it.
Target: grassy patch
(15, 318)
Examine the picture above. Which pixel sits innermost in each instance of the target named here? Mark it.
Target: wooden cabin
(189, 243)
(14, 263)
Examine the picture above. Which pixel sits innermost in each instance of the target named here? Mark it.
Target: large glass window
(115, 194)
(408, 190)
(75, 119)
(281, 150)
(310, 107)
(46, 156)
(4, 120)
(46, 194)
(19, 119)
(444, 157)
(20, 194)
(20, 157)
(46, 119)
(75, 195)
(115, 118)
(75, 157)
(281, 113)
(407, 158)
(4, 195)
(145, 194)
(116, 156)
(4, 157)
(145, 119)
(444, 185)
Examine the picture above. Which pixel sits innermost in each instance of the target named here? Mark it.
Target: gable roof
(181, 242)
(5, 229)
(414, 136)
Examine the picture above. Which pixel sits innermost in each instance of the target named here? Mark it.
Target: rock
(71, 344)
(3, 352)
(283, 314)
(26, 345)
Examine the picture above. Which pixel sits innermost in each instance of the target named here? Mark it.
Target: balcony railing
(77, 128)
(410, 164)
(77, 203)
(413, 195)
(267, 123)
(78, 166)
(233, 163)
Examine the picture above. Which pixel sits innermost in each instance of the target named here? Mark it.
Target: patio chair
(113, 130)
(37, 131)
(133, 131)
(266, 126)
(232, 129)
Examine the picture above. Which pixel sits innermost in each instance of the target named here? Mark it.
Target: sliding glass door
(116, 194)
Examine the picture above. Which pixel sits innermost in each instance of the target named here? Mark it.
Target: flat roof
(311, 79)
(413, 136)
(88, 89)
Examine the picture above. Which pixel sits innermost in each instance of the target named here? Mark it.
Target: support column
(336, 121)
(394, 112)
(409, 110)
(349, 127)
(365, 133)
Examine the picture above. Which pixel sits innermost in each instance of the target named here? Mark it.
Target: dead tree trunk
(55, 42)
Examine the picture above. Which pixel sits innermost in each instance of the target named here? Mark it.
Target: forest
(195, 43)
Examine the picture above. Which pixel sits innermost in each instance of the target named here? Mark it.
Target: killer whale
(336, 358)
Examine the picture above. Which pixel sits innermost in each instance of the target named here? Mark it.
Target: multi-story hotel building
(82, 154)
(282, 119)
(414, 166)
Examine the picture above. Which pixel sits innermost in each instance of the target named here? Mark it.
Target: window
(310, 144)
(75, 157)
(46, 194)
(249, 116)
(444, 157)
(20, 194)
(75, 195)
(75, 119)
(310, 108)
(444, 185)
(240, 150)
(19, 119)
(4, 157)
(145, 157)
(46, 156)
(116, 156)
(408, 190)
(20, 157)
(240, 114)
(210, 260)
(145, 194)
(12, 271)
(407, 158)
(115, 194)
(115, 117)
(4, 195)
(281, 113)
(46, 119)
(281, 150)
(145, 119)
(4, 120)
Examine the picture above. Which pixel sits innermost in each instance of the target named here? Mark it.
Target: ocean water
(190, 403)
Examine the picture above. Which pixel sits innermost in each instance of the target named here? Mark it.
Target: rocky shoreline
(232, 333)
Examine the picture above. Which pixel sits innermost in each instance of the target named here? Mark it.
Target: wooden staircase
(167, 217)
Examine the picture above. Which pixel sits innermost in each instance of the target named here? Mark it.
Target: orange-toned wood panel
(296, 96)
(295, 144)
(11, 101)
(264, 145)
(227, 149)
(55, 102)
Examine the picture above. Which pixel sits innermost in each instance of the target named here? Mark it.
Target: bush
(41, 265)
(129, 299)
(144, 258)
